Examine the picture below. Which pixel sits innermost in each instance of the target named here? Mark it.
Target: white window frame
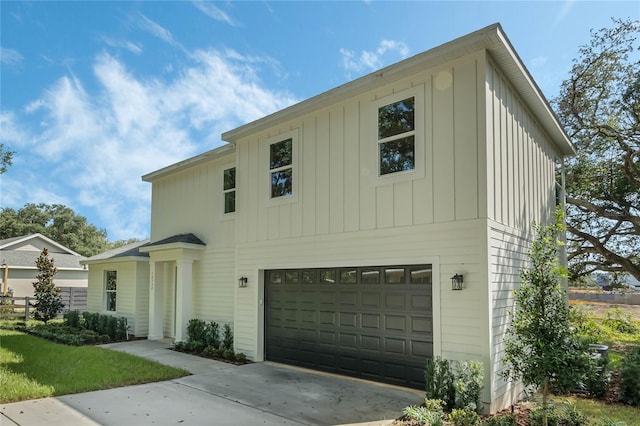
(293, 135)
(107, 291)
(416, 92)
(226, 191)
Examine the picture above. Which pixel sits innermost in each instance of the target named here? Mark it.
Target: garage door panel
(395, 301)
(327, 317)
(395, 323)
(370, 321)
(421, 349)
(373, 322)
(348, 319)
(370, 343)
(395, 346)
(370, 300)
(327, 298)
(421, 325)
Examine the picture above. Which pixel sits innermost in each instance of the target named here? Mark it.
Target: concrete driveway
(220, 394)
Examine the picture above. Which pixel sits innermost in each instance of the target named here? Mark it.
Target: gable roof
(491, 38)
(12, 243)
(129, 251)
(12, 254)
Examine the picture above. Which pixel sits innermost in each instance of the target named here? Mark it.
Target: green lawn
(31, 367)
(599, 410)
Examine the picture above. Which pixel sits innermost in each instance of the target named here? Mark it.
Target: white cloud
(156, 30)
(566, 9)
(10, 57)
(92, 147)
(132, 47)
(10, 131)
(368, 60)
(539, 61)
(214, 12)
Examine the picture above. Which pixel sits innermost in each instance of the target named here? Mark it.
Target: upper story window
(229, 189)
(111, 287)
(281, 168)
(397, 137)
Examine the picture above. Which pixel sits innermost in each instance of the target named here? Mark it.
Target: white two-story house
(361, 231)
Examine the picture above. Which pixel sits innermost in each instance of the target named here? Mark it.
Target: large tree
(599, 106)
(58, 222)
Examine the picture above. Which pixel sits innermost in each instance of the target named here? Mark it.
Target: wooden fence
(73, 298)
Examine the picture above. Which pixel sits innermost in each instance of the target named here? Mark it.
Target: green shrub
(620, 321)
(227, 337)
(434, 405)
(212, 335)
(508, 420)
(72, 319)
(464, 416)
(630, 378)
(562, 414)
(196, 331)
(535, 417)
(596, 381)
(439, 381)
(469, 376)
(422, 415)
(241, 357)
(210, 352)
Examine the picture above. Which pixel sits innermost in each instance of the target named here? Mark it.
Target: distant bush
(630, 378)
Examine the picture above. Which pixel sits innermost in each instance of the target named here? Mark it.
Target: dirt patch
(599, 309)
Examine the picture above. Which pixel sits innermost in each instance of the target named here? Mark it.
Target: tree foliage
(6, 159)
(58, 222)
(48, 301)
(599, 106)
(541, 349)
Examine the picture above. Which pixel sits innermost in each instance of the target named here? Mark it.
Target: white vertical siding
(336, 170)
(520, 159)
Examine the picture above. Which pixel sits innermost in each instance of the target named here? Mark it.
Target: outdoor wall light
(456, 282)
(242, 282)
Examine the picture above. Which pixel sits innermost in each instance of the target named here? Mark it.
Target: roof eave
(115, 259)
(213, 154)
(491, 38)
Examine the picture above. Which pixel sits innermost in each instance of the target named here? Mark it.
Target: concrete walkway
(218, 393)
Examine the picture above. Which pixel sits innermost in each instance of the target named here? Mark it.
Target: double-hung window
(397, 137)
(111, 287)
(400, 148)
(281, 168)
(229, 189)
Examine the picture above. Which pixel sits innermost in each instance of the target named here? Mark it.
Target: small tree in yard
(540, 348)
(49, 304)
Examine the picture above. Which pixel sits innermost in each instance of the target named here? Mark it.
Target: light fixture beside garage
(242, 281)
(456, 282)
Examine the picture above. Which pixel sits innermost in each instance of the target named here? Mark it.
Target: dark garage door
(368, 322)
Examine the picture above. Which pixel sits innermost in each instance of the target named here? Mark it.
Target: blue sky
(96, 94)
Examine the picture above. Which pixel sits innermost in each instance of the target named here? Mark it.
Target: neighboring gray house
(19, 254)
(328, 233)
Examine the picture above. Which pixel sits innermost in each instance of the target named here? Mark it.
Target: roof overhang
(190, 162)
(491, 38)
(115, 260)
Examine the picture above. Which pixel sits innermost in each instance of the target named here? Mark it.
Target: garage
(373, 323)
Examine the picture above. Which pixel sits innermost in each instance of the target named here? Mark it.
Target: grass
(600, 410)
(31, 367)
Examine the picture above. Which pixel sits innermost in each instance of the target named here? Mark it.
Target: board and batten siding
(335, 169)
(520, 158)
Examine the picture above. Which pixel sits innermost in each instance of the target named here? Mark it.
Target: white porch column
(183, 298)
(156, 299)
